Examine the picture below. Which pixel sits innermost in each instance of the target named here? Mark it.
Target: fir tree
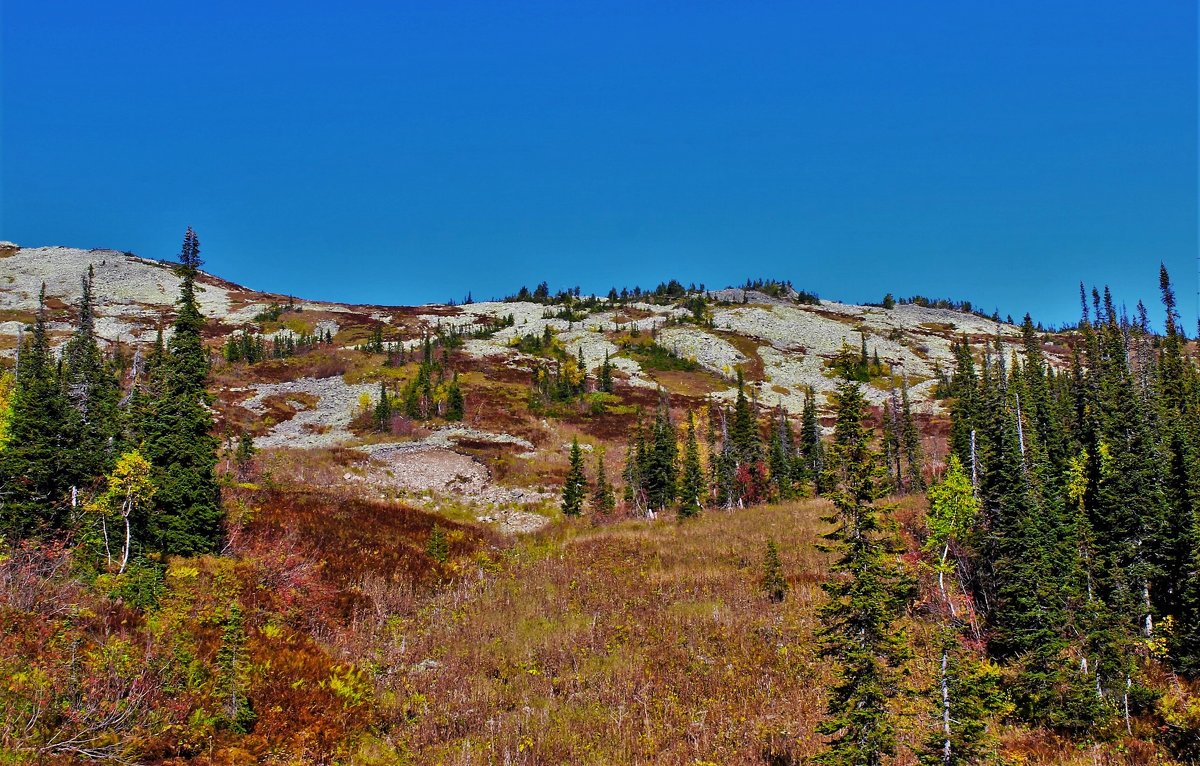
(383, 410)
(691, 487)
(660, 469)
(34, 471)
(780, 458)
(233, 660)
(438, 547)
(454, 400)
(910, 443)
(774, 584)
(245, 453)
(812, 450)
(603, 500)
(576, 484)
(93, 424)
(605, 382)
(635, 459)
(747, 444)
(858, 631)
(174, 425)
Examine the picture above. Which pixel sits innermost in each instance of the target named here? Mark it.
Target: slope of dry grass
(634, 643)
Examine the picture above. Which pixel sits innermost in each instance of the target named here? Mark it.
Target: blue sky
(406, 152)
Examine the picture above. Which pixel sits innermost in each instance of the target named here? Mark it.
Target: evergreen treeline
(75, 443)
(432, 392)
(734, 458)
(254, 347)
(665, 292)
(1081, 561)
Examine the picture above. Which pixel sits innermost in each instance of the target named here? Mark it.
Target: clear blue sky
(397, 152)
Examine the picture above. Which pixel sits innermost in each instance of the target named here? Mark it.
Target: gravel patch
(325, 425)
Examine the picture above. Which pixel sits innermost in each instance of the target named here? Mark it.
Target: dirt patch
(691, 384)
(753, 368)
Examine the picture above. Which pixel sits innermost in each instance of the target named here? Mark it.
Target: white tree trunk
(946, 754)
(126, 509)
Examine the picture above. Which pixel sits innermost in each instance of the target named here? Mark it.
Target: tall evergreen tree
(858, 631)
(747, 443)
(910, 443)
(780, 457)
(635, 460)
(575, 486)
(455, 404)
(93, 423)
(691, 488)
(812, 450)
(661, 468)
(383, 409)
(175, 426)
(34, 470)
(603, 500)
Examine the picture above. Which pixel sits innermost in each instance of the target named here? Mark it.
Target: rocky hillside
(507, 456)
(782, 346)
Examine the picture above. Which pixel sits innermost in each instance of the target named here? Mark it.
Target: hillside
(396, 581)
(783, 348)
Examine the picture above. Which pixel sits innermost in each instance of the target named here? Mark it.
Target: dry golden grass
(633, 643)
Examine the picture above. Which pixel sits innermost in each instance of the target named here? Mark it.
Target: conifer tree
(910, 443)
(774, 584)
(93, 424)
(747, 443)
(858, 631)
(33, 464)
(245, 453)
(635, 459)
(660, 471)
(780, 457)
(438, 547)
(454, 400)
(812, 450)
(233, 660)
(603, 500)
(576, 484)
(174, 425)
(725, 467)
(691, 487)
(383, 409)
(605, 382)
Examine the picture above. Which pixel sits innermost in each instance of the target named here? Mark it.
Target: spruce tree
(747, 443)
(93, 422)
(691, 488)
(34, 464)
(454, 400)
(774, 584)
(605, 383)
(233, 662)
(635, 458)
(174, 425)
(858, 623)
(660, 471)
(576, 484)
(910, 443)
(383, 410)
(780, 457)
(603, 500)
(812, 450)
(438, 547)
(245, 454)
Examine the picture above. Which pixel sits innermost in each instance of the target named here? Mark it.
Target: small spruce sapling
(576, 484)
(773, 582)
(438, 547)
